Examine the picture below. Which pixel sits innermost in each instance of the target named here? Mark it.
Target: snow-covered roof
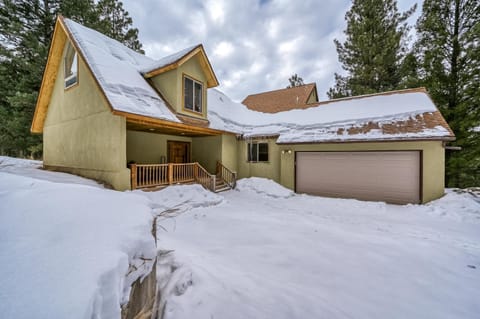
(117, 69)
(406, 114)
(172, 58)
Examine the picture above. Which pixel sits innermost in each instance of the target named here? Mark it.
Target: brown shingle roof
(283, 99)
(416, 124)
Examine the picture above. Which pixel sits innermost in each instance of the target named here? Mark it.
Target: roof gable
(175, 60)
(49, 77)
(282, 100)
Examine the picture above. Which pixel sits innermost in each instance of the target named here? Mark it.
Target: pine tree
(449, 53)
(295, 80)
(116, 23)
(374, 49)
(26, 28)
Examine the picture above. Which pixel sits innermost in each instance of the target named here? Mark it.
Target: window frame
(256, 158)
(202, 103)
(75, 59)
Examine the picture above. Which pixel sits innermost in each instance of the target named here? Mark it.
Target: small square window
(193, 95)
(257, 152)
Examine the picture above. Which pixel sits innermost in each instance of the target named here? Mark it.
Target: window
(258, 152)
(71, 66)
(192, 95)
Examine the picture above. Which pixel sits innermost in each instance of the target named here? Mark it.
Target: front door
(178, 152)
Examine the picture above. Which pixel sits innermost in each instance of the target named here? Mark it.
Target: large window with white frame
(193, 95)
(70, 66)
(257, 152)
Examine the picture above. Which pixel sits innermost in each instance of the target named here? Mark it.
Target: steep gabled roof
(117, 71)
(282, 100)
(173, 61)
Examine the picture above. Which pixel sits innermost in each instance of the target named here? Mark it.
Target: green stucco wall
(433, 161)
(207, 151)
(166, 83)
(230, 152)
(170, 84)
(210, 149)
(81, 135)
(270, 169)
(149, 148)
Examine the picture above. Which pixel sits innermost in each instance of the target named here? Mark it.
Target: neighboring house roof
(397, 115)
(297, 97)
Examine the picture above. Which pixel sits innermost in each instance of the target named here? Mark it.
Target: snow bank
(31, 168)
(457, 205)
(184, 196)
(263, 186)
(16, 163)
(67, 250)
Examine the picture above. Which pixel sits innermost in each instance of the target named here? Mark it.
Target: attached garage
(390, 176)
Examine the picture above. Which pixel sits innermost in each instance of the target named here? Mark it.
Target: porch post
(133, 174)
(195, 171)
(170, 173)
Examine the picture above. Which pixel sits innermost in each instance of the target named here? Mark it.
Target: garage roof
(397, 115)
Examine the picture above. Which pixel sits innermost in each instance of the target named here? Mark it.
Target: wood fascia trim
(212, 80)
(140, 119)
(48, 79)
(422, 139)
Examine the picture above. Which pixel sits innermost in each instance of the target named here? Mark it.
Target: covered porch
(158, 156)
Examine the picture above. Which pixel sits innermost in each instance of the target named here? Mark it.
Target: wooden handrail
(151, 175)
(202, 176)
(227, 175)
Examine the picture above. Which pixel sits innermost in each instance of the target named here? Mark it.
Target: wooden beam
(54, 60)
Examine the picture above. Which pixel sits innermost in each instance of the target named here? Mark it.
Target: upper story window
(257, 152)
(71, 66)
(193, 95)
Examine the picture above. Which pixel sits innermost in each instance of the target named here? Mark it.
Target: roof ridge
(357, 97)
(156, 62)
(277, 90)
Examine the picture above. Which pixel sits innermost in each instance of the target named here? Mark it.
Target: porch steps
(220, 185)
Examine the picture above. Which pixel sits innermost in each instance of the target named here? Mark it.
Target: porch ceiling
(171, 130)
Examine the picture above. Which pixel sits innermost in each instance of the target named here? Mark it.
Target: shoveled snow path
(278, 255)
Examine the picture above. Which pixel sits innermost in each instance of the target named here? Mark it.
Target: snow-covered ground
(259, 251)
(264, 252)
(66, 244)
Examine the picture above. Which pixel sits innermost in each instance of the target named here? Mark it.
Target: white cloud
(223, 49)
(253, 45)
(216, 11)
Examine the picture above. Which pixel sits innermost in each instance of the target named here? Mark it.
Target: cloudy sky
(253, 45)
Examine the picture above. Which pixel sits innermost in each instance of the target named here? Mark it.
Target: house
(109, 113)
(297, 97)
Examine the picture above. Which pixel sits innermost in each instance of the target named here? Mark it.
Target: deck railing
(227, 175)
(153, 175)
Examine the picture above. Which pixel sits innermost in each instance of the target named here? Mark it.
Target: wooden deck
(148, 176)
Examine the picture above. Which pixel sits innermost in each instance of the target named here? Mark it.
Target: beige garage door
(393, 177)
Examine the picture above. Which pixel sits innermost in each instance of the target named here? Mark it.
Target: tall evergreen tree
(117, 24)
(295, 80)
(449, 54)
(26, 28)
(374, 49)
